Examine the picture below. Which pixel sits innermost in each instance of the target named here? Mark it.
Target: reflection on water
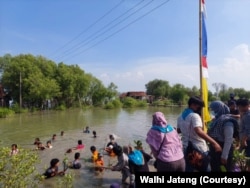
(128, 124)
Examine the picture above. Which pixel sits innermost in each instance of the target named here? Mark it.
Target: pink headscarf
(154, 138)
(159, 119)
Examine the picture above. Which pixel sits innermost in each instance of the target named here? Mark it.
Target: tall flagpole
(200, 56)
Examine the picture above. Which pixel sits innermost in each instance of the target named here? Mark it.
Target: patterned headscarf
(159, 119)
(219, 108)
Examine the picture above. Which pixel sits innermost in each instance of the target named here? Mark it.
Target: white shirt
(188, 133)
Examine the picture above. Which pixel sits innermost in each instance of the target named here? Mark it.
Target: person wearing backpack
(138, 159)
(223, 129)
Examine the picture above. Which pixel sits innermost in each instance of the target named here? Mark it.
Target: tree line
(179, 94)
(33, 81)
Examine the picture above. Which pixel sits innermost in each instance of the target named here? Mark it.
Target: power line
(90, 26)
(119, 30)
(93, 36)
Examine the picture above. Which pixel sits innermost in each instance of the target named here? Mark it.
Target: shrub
(18, 170)
(129, 102)
(141, 104)
(5, 112)
(109, 106)
(241, 161)
(61, 107)
(117, 103)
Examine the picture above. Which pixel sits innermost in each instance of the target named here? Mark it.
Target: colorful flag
(206, 114)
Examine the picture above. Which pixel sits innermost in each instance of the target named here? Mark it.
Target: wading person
(53, 169)
(122, 166)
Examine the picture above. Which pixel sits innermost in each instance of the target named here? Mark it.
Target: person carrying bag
(165, 145)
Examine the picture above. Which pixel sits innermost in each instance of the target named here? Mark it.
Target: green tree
(111, 92)
(158, 88)
(178, 94)
(4, 62)
(24, 71)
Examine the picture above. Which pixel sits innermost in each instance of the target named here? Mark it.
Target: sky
(133, 42)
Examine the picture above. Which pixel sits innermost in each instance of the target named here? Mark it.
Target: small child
(94, 134)
(76, 163)
(40, 146)
(99, 163)
(94, 152)
(53, 169)
(37, 140)
(49, 145)
(62, 133)
(80, 145)
(86, 130)
(54, 137)
(14, 149)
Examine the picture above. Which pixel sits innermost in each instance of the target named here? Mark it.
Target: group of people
(53, 169)
(87, 130)
(226, 130)
(39, 145)
(129, 160)
(169, 144)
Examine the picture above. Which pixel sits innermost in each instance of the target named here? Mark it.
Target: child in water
(76, 164)
(37, 140)
(40, 146)
(79, 146)
(94, 134)
(86, 130)
(14, 149)
(54, 137)
(94, 152)
(99, 163)
(53, 169)
(49, 145)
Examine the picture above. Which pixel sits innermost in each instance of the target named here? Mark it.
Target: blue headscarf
(219, 108)
(222, 116)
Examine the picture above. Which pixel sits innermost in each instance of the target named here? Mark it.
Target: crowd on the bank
(229, 130)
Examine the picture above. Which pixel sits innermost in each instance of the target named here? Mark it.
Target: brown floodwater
(127, 124)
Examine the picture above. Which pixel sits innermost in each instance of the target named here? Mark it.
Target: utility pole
(20, 90)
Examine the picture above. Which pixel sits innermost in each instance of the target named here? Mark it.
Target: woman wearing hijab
(165, 145)
(222, 129)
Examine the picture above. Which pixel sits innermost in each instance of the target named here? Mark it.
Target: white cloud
(174, 70)
(232, 71)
